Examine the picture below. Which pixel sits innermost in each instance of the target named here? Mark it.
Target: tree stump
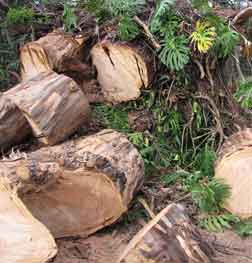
(168, 238)
(78, 187)
(14, 128)
(56, 51)
(234, 166)
(23, 239)
(53, 105)
(122, 71)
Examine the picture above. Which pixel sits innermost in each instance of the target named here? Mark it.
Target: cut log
(80, 186)
(56, 51)
(168, 238)
(23, 239)
(122, 71)
(14, 128)
(53, 104)
(234, 166)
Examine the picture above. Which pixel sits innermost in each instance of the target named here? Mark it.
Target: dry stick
(147, 32)
(216, 114)
(209, 75)
(201, 69)
(241, 14)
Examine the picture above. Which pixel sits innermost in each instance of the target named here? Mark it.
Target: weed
(20, 15)
(244, 95)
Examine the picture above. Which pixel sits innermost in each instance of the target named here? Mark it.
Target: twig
(209, 75)
(147, 32)
(241, 14)
(201, 69)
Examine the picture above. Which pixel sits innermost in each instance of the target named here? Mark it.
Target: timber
(78, 187)
(121, 71)
(234, 166)
(56, 51)
(168, 237)
(14, 127)
(53, 104)
(23, 238)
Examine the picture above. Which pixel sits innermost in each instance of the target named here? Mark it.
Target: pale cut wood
(121, 70)
(234, 166)
(56, 51)
(168, 238)
(53, 104)
(23, 239)
(14, 128)
(80, 186)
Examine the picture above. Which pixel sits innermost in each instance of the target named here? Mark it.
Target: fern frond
(218, 223)
(210, 197)
(244, 95)
(128, 29)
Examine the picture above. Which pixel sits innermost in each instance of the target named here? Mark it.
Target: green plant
(244, 228)
(124, 7)
(244, 94)
(210, 196)
(174, 52)
(69, 18)
(203, 37)
(19, 15)
(128, 29)
(161, 14)
(218, 223)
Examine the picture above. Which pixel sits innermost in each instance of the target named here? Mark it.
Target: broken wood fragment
(53, 105)
(56, 51)
(78, 187)
(122, 71)
(234, 166)
(169, 237)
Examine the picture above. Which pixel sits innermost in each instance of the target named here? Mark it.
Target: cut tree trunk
(80, 186)
(56, 51)
(122, 71)
(14, 128)
(169, 237)
(23, 239)
(234, 166)
(53, 105)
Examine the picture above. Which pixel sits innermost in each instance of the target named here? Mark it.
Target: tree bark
(14, 128)
(78, 187)
(169, 237)
(56, 51)
(234, 166)
(22, 237)
(53, 105)
(122, 71)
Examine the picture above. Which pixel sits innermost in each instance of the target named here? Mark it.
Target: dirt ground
(106, 246)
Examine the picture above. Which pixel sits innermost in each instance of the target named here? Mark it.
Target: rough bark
(13, 126)
(80, 186)
(23, 239)
(234, 166)
(122, 71)
(53, 105)
(169, 237)
(56, 51)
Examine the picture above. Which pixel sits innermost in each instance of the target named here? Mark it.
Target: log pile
(234, 165)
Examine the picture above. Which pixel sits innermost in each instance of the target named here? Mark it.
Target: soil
(106, 246)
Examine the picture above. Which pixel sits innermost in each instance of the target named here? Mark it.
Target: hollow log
(234, 166)
(56, 51)
(169, 238)
(14, 128)
(78, 187)
(53, 105)
(23, 238)
(122, 71)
